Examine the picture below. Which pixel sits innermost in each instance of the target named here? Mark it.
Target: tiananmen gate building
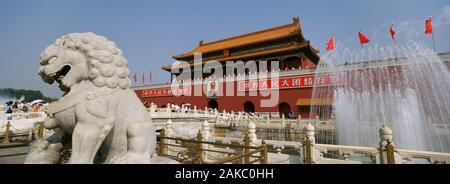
(286, 44)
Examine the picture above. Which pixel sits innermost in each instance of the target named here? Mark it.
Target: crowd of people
(23, 106)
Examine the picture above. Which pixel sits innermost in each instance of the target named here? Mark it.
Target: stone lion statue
(99, 115)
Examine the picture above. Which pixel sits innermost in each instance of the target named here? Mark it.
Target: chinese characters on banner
(260, 84)
(289, 82)
(158, 92)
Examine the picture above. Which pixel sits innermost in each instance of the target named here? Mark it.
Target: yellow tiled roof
(247, 39)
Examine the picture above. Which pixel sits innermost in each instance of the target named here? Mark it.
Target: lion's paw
(42, 152)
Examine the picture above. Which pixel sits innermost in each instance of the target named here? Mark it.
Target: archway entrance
(284, 108)
(212, 104)
(249, 107)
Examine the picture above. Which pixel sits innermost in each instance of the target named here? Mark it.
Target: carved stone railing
(310, 152)
(387, 153)
(345, 152)
(408, 156)
(24, 115)
(37, 133)
(21, 122)
(195, 150)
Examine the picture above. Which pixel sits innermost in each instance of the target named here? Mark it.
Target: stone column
(206, 133)
(309, 156)
(168, 109)
(200, 153)
(206, 130)
(152, 107)
(241, 119)
(168, 130)
(182, 108)
(387, 154)
(251, 128)
(232, 119)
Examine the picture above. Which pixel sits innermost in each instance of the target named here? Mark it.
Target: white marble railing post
(206, 133)
(218, 119)
(152, 107)
(309, 153)
(387, 153)
(195, 111)
(168, 107)
(251, 128)
(241, 119)
(232, 118)
(168, 130)
(299, 120)
(182, 108)
(168, 110)
(283, 121)
(206, 130)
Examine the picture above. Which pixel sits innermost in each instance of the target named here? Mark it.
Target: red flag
(363, 38)
(143, 77)
(392, 32)
(135, 77)
(428, 26)
(330, 44)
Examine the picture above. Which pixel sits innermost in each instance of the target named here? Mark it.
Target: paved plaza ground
(13, 155)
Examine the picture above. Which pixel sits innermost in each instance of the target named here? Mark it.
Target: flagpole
(429, 29)
(395, 43)
(360, 30)
(434, 45)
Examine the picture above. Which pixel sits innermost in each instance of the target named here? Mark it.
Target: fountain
(407, 88)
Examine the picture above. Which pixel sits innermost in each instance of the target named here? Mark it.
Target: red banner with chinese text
(158, 92)
(290, 82)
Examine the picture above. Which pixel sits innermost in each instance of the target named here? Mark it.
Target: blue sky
(150, 32)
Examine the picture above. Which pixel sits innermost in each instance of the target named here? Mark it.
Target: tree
(29, 95)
